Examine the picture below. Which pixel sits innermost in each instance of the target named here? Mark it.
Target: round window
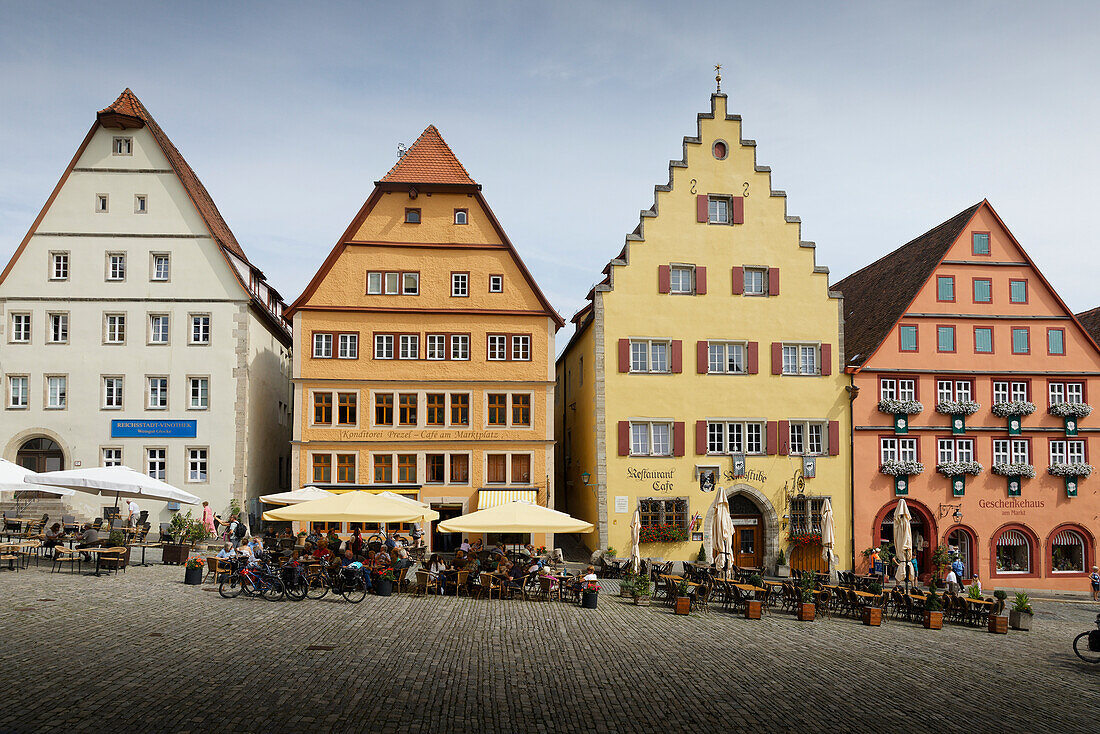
(720, 150)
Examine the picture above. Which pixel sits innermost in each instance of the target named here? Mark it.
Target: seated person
(589, 574)
(257, 547)
(476, 546)
(314, 537)
(382, 559)
(244, 550)
(369, 560)
(88, 538)
(465, 546)
(401, 559)
(285, 533)
(269, 533)
(348, 559)
(227, 551)
(436, 566)
(333, 541)
(322, 553)
(503, 564)
(53, 536)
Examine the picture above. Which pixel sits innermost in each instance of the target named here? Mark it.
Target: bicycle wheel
(1081, 649)
(297, 587)
(354, 590)
(248, 585)
(230, 586)
(273, 589)
(317, 586)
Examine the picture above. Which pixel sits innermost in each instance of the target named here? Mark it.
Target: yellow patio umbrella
(515, 517)
(353, 507)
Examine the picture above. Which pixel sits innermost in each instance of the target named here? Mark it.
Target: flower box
(1013, 408)
(959, 468)
(683, 605)
(1014, 470)
(589, 599)
(753, 608)
(1070, 470)
(872, 616)
(663, 534)
(642, 601)
(958, 407)
(805, 539)
(806, 612)
(901, 468)
(1070, 410)
(933, 620)
(900, 407)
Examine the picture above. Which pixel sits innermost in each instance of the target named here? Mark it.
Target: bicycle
(259, 579)
(1087, 644)
(295, 581)
(347, 582)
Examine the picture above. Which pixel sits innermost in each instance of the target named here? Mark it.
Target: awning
(1068, 537)
(487, 498)
(1011, 538)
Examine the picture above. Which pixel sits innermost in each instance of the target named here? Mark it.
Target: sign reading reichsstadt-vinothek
(153, 429)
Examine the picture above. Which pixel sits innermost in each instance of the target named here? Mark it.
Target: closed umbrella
(515, 517)
(116, 481)
(635, 539)
(13, 479)
(828, 539)
(903, 543)
(722, 533)
(305, 494)
(354, 506)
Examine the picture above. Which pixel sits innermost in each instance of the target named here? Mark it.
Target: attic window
(101, 203)
(461, 216)
(412, 216)
(496, 283)
(123, 146)
(720, 150)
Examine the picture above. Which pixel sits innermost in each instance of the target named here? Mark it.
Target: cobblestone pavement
(142, 651)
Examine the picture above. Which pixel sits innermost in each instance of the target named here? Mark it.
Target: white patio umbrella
(305, 494)
(903, 543)
(403, 498)
(721, 533)
(635, 538)
(515, 517)
(828, 539)
(114, 481)
(13, 479)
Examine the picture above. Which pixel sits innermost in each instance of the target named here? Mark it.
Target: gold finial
(718, 76)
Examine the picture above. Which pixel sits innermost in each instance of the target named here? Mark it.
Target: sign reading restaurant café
(663, 480)
(153, 429)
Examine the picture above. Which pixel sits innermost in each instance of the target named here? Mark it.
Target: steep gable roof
(429, 161)
(876, 296)
(1090, 320)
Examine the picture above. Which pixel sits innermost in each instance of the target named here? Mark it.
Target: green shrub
(701, 556)
(1000, 594)
(973, 592)
(1022, 603)
(612, 552)
(781, 559)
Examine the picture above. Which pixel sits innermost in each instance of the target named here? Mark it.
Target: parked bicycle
(258, 579)
(1087, 644)
(345, 581)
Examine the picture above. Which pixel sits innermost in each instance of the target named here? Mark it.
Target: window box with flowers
(958, 410)
(956, 471)
(1015, 472)
(1072, 473)
(901, 410)
(1013, 410)
(901, 471)
(665, 533)
(1071, 413)
(803, 539)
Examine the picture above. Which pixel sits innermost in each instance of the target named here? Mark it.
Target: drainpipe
(853, 392)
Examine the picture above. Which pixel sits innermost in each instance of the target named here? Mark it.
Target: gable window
(460, 285)
(322, 408)
(954, 390)
(157, 393)
(498, 347)
(59, 328)
(412, 216)
(199, 390)
(161, 267)
(348, 346)
(726, 358)
(141, 204)
(1056, 341)
(907, 336)
(1017, 291)
(410, 284)
(756, 282)
(945, 338)
(383, 346)
(1021, 340)
(122, 146)
(21, 328)
(383, 409)
(945, 288)
(116, 266)
(897, 449)
(718, 210)
(410, 346)
(436, 346)
(462, 216)
(496, 283)
(521, 348)
(393, 282)
(983, 290)
(322, 346)
(1005, 391)
(806, 438)
(59, 266)
(983, 340)
(374, 284)
(101, 203)
(681, 279)
(200, 328)
(897, 389)
(980, 243)
(1066, 392)
(460, 346)
(800, 359)
(728, 437)
(650, 439)
(649, 355)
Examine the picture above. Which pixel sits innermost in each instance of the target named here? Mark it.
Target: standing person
(1094, 578)
(357, 542)
(238, 531)
(132, 508)
(957, 567)
(208, 518)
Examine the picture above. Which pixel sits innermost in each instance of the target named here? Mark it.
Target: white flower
(958, 407)
(1070, 410)
(1013, 407)
(957, 468)
(900, 407)
(1070, 470)
(1014, 470)
(901, 468)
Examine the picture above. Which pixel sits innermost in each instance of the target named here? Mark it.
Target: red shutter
(753, 358)
(784, 435)
(777, 358)
(826, 359)
(772, 433)
(773, 281)
(678, 438)
(664, 279)
(700, 281)
(738, 281)
(624, 355)
(834, 438)
(702, 358)
(702, 208)
(624, 438)
(677, 356)
(737, 216)
(701, 437)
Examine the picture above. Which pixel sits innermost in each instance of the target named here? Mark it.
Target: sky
(879, 119)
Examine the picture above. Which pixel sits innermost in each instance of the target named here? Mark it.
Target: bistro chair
(425, 582)
(549, 588)
(490, 584)
(65, 556)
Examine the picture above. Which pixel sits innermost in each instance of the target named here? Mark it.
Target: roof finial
(718, 77)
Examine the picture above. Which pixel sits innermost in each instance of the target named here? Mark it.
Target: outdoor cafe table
(95, 552)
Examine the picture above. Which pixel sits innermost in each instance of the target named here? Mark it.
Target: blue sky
(878, 119)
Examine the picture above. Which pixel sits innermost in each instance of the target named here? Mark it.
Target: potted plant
(806, 610)
(192, 571)
(176, 549)
(754, 607)
(590, 594)
(933, 610)
(782, 570)
(872, 613)
(973, 592)
(701, 556)
(998, 623)
(683, 601)
(626, 586)
(1021, 614)
(384, 585)
(641, 591)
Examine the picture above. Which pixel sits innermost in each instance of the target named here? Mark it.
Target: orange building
(971, 377)
(426, 362)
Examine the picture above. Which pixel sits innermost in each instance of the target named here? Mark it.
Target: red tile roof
(1091, 321)
(429, 160)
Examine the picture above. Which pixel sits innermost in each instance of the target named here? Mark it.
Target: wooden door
(748, 542)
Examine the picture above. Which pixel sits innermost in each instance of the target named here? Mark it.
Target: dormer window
(123, 146)
(461, 216)
(412, 216)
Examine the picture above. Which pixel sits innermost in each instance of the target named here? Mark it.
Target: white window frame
(383, 346)
(141, 204)
(497, 347)
(435, 347)
(58, 327)
(463, 215)
(198, 465)
(807, 438)
(460, 285)
(409, 346)
(23, 392)
(749, 287)
(797, 355)
(460, 347)
(736, 436)
(1009, 390)
(410, 287)
(155, 274)
(110, 456)
(676, 279)
(57, 399)
(646, 356)
(721, 353)
(202, 383)
(374, 283)
(718, 210)
(1011, 451)
(156, 463)
(391, 283)
(521, 348)
(113, 392)
(116, 267)
(496, 283)
(21, 327)
(122, 145)
(958, 390)
(897, 449)
(322, 345)
(1067, 451)
(649, 430)
(954, 449)
(165, 319)
(1066, 392)
(156, 388)
(347, 346)
(200, 329)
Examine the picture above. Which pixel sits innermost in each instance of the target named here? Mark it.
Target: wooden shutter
(771, 433)
(773, 281)
(678, 438)
(784, 435)
(777, 358)
(752, 358)
(834, 438)
(701, 438)
(702, 208)
(702, 357)
(826, 359)
(677, 360)
(664, 279)
(624, 355)
(737, 210)
(624, 438)
(700, 281)
(738, 281)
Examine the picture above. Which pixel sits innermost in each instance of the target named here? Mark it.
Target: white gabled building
(136, 331)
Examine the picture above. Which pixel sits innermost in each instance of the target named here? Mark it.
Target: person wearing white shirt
(132, 509)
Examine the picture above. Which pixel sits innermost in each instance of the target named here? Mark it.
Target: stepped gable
(876, 296)
(429, 161)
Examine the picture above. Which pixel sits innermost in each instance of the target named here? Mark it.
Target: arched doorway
(747, 504)
(924, 534)
(40, 455)
(962, 540)
(748, 532)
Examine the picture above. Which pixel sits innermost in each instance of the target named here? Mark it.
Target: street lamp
(957, 515)
(585, 476)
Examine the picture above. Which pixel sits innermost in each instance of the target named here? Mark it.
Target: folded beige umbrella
(515, 517)
(903, 543)
(635, 537)
(721, 533)
(353, 506)
(828, 539)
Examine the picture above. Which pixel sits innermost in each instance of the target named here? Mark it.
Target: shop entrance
(748, 532)
(445, 542)
(960, 540)
(924, 538)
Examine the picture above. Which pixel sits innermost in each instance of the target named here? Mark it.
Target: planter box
(589, 599)
(1019, 620)
(872, 616)
(998, 625)
(783, 572)
(753, 609)
(642, 601)
(933, 620)
(806, 612)
(383, 587)
(192, 576)
(683, 605)
(175, 555)
(625, 592)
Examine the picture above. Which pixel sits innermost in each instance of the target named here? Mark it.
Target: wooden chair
(63, 556)
(11, 557)
(400, 582)
(489, 584)
(425, 582)
(113, 559)
(462, 583)
(701, 599)
(549, 588)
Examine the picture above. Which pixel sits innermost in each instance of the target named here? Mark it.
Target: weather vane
(718, 75)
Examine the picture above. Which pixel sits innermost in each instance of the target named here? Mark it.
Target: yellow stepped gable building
(709, 357)
(427, 352)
